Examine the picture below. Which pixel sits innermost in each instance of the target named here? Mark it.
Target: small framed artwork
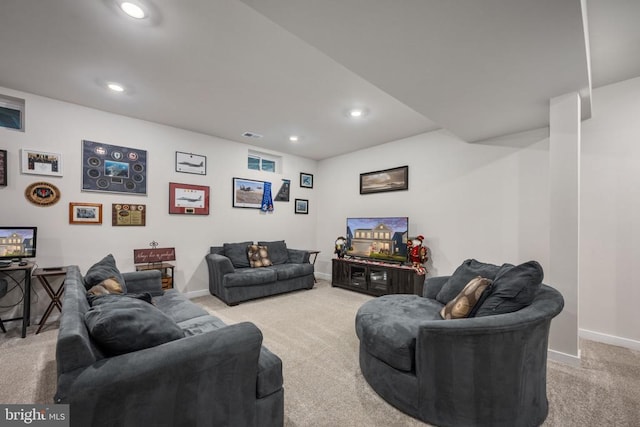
(394, 179)
(85, 213)
(127, 214)
(3, 168)
(302, 206)
(41, 162)
(306, 180)
(188, 199)
(191, 163)
(247, 193)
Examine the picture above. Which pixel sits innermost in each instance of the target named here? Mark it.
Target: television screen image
(18, 242)
(382, 239)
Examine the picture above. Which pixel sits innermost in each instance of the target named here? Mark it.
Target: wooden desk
(26, 300)
(42, 274)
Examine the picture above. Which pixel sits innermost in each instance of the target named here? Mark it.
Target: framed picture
(85, 213)
(113, 169)
(191, 163)
(127, 214)
(3, 168)
(188, 199)
(247, 193)
(394, 179)
(306, 180)
(302, 206)
(40, 162)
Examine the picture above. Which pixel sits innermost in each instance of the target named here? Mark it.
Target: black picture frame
(394, 179)
(191, 163)
(3, 168)
(247, 193)
(306, 180)
(301, 206)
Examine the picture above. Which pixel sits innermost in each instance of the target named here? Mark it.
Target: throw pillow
(258, 256)
(237, 253)
(513, 288)
(104, 269)
(106, 287)
(464, 273)
(125, 324)
(462, 305)
(277, 250)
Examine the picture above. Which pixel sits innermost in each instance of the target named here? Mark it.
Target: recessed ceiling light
(357, 112)
(293, 138)
(116, 87)
(132, 9)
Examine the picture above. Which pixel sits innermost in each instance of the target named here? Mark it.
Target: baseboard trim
(567, 359)
(609, 339)
(196, 294)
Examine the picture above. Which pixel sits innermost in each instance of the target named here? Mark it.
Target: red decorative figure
(417, 253)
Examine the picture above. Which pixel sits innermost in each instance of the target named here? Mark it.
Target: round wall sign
(42, 194)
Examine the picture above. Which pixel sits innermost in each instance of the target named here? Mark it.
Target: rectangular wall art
(247, 193)
(394, 179)
(127, 214)
(3, 168)
(85, 213)
(188, 199)
(113, 169)
(41, 162)
(191, 163)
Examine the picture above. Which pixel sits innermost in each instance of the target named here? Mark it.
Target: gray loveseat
(487, 370)
(210, 374)
(233, 280)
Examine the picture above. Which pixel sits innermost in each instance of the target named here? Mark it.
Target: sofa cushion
(237, 253)
(269, 373)
(258, 256)
(249, 277)
(200, 325)
(464, 273)
(513, 288)
(277, 250)
(291, 271)
(463, 304)
(178, 307)
(388, 327)
(124, 325)
(95, 300)
(104, 269)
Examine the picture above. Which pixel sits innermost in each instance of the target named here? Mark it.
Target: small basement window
(263, 162)
(11, 113)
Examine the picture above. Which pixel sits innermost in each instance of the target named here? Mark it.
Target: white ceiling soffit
(478, 68)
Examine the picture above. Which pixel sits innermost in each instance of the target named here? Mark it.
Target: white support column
(564, 179)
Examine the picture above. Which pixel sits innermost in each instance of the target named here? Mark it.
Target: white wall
(610, 221)
(60, 127)
(487, 201)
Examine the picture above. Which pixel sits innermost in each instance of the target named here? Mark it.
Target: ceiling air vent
(252, 135)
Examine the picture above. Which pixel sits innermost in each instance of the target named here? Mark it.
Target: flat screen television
(18, 242)
(378, 238)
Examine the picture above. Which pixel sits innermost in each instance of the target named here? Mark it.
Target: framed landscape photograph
(40, 162)
(188, 199)
(127, 214)
(306, 180)
(85, 213)
(302, 206)
(247, 193)
(191, 163)
(394, 179)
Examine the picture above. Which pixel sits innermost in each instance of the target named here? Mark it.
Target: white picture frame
(35, 162)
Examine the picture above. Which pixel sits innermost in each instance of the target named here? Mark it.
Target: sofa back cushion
(513, 288)
(237, 253)
(277, 251)
(102, 270)
(122, 325)
(464, 273)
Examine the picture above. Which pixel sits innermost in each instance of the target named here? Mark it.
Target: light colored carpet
(313, 332)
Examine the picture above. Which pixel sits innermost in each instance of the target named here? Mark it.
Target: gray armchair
(480, 371)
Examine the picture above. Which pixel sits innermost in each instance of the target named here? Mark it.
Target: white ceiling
(280, 67)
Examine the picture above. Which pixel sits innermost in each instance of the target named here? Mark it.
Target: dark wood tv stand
(375, 278)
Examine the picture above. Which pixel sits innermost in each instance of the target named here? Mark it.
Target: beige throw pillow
(258, 256)
(463, 303)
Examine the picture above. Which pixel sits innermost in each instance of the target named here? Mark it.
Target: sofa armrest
(298, 256)
(432, 286)
(218, 265)
(139, 282)
(209, 379)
